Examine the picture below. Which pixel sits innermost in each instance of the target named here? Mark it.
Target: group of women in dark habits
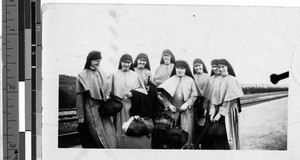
(193, 99)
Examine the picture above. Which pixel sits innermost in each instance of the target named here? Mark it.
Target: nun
(226, 107)
(142, 68)
(201, 79)
(126, 83)
(200, 74)
(214, 76)
(178, 95)
(92, 88)
(163, 72)
(213, 83)
(210, 90)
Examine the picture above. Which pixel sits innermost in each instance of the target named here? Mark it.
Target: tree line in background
(67, 91)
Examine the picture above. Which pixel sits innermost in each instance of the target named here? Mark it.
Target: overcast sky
(257, 41)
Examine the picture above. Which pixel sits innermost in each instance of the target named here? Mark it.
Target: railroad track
(251, 100)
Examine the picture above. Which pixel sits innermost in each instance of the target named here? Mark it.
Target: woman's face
(141, 63)
(95, 63)
(223, 70)
(215, 69)
(180, 71)
(125, 65)
(167, 58)
(198, 68)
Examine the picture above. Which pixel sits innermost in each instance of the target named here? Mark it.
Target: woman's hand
(212, 118)
(172, 108)
(128, 94)
(217, 117)
(184, 107)
(159, 97)
(80, 120)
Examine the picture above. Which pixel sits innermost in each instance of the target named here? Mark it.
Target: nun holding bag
(142, 68)
(201, 79)
(92, 89)
(225, 108)
(127, 84)
(178, 95)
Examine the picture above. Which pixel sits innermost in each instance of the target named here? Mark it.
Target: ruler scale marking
(10, 83)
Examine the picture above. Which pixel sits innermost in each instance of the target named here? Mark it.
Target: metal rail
(248, 96)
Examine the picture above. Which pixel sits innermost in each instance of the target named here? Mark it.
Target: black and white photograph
(146, 80)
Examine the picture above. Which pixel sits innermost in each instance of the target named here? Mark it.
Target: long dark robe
(92, 89)
(199, 117)
(199, 107)
(210, 91)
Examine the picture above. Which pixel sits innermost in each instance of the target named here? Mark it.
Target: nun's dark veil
(170, 53)
(93, 55)
(226, 63)
(198, 60)
(213, 62)
(125, 57)
(184, 64)
(142, 55)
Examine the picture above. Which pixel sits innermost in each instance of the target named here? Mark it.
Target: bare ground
(264, 126)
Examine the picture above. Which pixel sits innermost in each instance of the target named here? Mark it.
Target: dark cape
(140, 105)
(156, 105)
